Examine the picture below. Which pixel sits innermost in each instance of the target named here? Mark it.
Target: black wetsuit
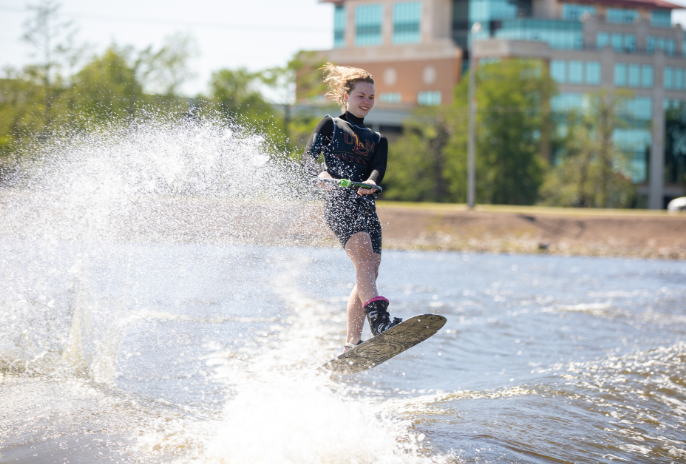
(351, 151)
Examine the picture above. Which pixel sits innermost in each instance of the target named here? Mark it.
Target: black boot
(378, 317)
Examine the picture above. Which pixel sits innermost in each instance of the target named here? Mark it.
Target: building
(417, 51)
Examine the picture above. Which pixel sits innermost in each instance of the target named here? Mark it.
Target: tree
(164, 71)
(298, 81)
(592, 170)
(106, 89)
(429, 162)
(54, 47)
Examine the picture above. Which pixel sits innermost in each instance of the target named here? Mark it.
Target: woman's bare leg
(366, 262)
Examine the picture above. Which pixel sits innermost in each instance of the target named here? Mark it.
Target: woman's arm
(320, 138)
(378, 166)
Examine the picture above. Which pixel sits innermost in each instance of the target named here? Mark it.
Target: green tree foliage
(106, 89)
(592, 170)
(429, 162)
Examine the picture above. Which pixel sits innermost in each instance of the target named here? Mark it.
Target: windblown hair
(341, 80)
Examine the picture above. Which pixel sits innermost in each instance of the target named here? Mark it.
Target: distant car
(677, 205)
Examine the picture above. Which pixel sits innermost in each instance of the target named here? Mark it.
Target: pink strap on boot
(377, 298)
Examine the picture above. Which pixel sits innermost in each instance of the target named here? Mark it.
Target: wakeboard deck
(387, 344)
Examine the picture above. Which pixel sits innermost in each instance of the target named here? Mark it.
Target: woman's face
(360, 99)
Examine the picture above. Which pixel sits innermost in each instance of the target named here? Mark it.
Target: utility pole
(471, 176)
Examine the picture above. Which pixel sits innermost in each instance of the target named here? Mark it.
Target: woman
(353, 151)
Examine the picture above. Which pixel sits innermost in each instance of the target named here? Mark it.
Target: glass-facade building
(587, 46)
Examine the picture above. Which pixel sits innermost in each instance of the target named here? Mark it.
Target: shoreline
(535, 230)
(406, 226)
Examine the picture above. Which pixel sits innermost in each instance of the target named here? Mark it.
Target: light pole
(471, 175)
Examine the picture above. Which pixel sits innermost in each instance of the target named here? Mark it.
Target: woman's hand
(324, 185)
(363, 191)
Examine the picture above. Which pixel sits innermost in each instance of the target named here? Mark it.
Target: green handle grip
(346, 183)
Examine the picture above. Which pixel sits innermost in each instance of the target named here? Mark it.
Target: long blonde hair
(340, 80)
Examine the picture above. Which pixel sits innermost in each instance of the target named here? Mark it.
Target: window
(593, 72)
(339, 21)
(558, 34)
(669, 78)
(647, 76)
(558, 71)
(390, 97)
(620, 74)
(661, 18)
(617, 42)
(407, 17)
(621, 15)
(602, 40)
(629, 43)
(639, 108)
(576, 72)
(678, 79)
(634, 75)
(661, 43)
(565, 102)
(368, 19)
(429, 98)
(575, 12)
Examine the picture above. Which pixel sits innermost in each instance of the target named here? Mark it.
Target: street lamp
(471, 176)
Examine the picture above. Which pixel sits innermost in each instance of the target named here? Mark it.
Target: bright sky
(255, 34)
(230, 33)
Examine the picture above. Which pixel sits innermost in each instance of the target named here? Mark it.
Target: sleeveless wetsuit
(351, 151)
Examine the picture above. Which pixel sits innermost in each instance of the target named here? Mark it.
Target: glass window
(429, 98)
(668, 78)
(368, 19)
(407, 17)
(557, 33)
(593, 72)
(576, 72)
(617, 40)
(678, 79)
(629, 43)
(565, 102)
(574, 12)
(670, 47)
(603, 39)
(558, 71)
(390, 97)
(620, 74)
(621, 15)
(661, 18)
(639, 108)
(647, 76)
(339, 21)
(650, 44)
(634, 75)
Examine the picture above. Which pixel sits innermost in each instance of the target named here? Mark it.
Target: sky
(254, 34)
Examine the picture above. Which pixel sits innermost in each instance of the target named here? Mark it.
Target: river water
(124, 340)
(188, 353)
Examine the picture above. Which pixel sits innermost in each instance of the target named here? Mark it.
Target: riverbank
(408, 226)
(510, 229)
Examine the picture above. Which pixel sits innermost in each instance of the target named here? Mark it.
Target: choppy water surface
(121, 350)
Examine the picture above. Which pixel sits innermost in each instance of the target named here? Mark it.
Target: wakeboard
(387, 344)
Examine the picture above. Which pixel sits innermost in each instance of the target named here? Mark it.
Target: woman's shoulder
(325, 125)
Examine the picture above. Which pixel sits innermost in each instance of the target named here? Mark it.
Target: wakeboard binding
(376, 310)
